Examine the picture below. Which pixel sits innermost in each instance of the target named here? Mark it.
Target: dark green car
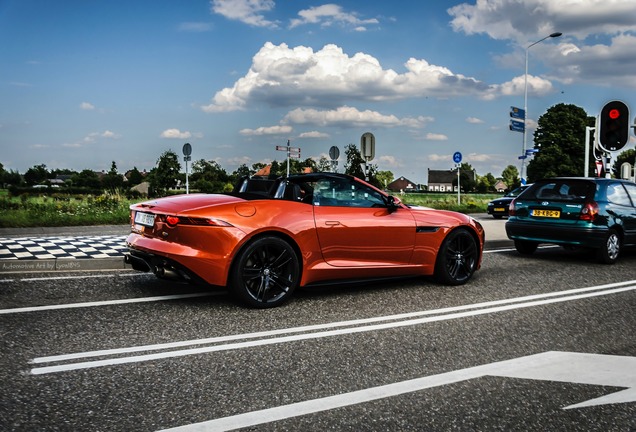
(595, 213)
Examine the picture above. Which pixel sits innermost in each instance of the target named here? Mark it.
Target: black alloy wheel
(457, 258)
(266, 273)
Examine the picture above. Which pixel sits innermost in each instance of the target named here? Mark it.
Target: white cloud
(313, 134)
(436, 137)
(536, 86)
(474, 120)
(109, 134)
(283, 76)
(330, 14)
(270, 130)
(350, 117)
(175, 134)
(389, 161)
(87, 106)
(529, 20)
(92, 138)
(246, 11)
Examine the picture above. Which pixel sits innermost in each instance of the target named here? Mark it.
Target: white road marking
(552, 366)
(104, 303)
(307, 332)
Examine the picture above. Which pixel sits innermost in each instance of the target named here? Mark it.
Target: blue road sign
(517, 126)
(457, 157)
(523, 157)
(517, 113)
(530, 152)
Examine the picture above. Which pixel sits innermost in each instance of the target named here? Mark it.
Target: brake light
(172, 220)
(185, 220)
(511, 209)
(589, 211)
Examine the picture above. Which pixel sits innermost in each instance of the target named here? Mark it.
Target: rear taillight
(589, 211)
(511, 209)
(173, 221)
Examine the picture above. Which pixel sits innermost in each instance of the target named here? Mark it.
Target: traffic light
(614, 126)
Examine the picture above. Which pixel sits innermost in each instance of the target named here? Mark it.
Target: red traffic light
(613, 126)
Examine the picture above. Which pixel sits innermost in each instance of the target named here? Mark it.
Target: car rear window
(563, 190)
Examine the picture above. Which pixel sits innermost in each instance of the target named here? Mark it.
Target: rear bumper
(162, 267)
(586, 236)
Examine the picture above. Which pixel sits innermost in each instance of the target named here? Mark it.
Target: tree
(112, 180)
(208, 176)
(13, 178)
(242, 171)
(628, 156)
(355, 163)
(486, 183)
(510, 176)
(560, 139)
(466, 178)
(135, 177)
(385, 177)
(36, 174)
(87, 178)
(166, 174)
(324, 164)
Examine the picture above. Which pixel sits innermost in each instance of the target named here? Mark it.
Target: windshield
(563, 190)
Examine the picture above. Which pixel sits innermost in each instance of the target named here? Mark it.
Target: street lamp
(525, 100)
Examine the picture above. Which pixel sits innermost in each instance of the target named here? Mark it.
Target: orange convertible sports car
(269, 237)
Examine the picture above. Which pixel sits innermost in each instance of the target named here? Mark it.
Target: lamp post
(525, 100)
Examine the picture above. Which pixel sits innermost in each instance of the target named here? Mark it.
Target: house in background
(500, 186)
(442, 180)
(402, 185)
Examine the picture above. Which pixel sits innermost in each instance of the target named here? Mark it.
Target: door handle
(332, 223)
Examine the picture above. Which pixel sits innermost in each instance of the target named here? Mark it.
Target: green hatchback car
(595, 213)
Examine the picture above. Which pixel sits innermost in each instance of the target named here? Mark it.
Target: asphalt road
(531, 343)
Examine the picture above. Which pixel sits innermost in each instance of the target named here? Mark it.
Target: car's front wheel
(457, 258)
(265, 273)
(608, 254)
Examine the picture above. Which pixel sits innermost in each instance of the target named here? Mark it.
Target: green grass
(63, 210)
(469, 203)
(60, 209)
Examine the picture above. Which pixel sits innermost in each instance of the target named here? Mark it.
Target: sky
(87, 83)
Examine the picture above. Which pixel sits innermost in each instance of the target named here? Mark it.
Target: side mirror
(392, 204)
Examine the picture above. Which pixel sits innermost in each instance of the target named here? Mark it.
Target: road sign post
(367, 149)
(187, 151)
(291, 152)
(334, 154)
(457, 158)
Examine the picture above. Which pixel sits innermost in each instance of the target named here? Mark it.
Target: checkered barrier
(29, 248)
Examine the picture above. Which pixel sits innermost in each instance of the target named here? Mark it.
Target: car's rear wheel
(608, 254)
(265, 273)
(525, 247)
(457, 258)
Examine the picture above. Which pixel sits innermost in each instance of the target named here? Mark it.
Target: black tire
(265, 273)
(457, 258)
(525, 247)
(611, 250)
(497, 216)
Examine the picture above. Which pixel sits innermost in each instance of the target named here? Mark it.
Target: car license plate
(546, 213)
(145, 219)
(499, 209)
